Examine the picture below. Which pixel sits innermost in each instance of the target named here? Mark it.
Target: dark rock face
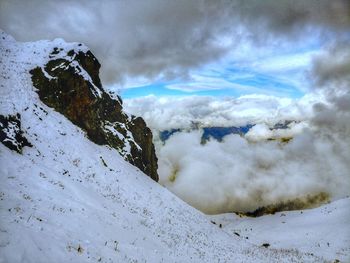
(165, 135)
(11, 134)
(306, 202)
(217, 133)
(70, 84)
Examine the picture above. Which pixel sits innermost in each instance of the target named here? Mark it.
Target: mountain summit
(68, 81)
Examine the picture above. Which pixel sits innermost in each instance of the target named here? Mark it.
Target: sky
(199, 47)
(281, 73)
(245, 69)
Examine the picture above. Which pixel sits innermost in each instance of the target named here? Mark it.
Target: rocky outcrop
(70, 84)
(11, 134)
(299, 203)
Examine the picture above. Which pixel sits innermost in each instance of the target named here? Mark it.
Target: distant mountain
(218, 133)
(282, 125)
(165, 135)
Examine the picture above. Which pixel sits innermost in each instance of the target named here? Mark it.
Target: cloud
(202, 83)
(164, 113)
(291, 17)
(262, 131)
(287, 62)
(332, 67)
(247, 81)
(245, 173)
(237, 175)
(166, 39)
(131, 38)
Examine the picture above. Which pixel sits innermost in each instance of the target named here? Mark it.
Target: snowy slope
(67, 199)
(323, 231)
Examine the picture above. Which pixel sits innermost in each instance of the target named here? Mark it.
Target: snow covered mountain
(67, 197)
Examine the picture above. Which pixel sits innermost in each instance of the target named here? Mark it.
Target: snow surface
(323, 231)
(67, 199)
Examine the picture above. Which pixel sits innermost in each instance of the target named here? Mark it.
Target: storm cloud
(165, 39)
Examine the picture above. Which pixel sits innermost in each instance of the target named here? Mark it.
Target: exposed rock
(217, 133)
(11, 134)
(308, 201)
(70, 84)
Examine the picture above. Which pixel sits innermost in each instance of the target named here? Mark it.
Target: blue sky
(280, 73)
(255, 83)
(263, 85)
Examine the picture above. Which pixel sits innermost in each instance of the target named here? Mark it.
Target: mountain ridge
(69, 82)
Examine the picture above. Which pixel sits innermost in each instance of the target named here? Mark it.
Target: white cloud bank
(243, 174)
(164, 113)
(236, 175)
